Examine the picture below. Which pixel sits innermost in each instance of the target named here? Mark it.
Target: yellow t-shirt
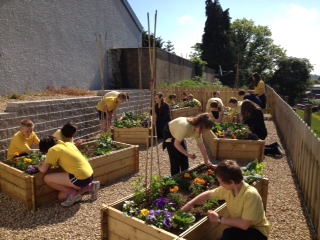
(109, 102)
(21, 144)
(58, 135)
(181, 129)
(260, 88)
(246, 205)
(68, 156)
(197, 101)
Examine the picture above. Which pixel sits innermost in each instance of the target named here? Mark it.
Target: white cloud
(185, 20)
(298, 31)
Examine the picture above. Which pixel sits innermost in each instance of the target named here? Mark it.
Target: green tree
(292, 78)
(257, 52)
(169, 47)
(145, 40)
(196, 51)
(216, 48)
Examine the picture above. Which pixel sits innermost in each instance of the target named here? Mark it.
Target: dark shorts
(80, 183)
(100, 115)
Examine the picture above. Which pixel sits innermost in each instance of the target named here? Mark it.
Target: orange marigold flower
(175, 189)
(210, 172)
(199, 180)
(187, 175)
(16, 159)
(16, 154)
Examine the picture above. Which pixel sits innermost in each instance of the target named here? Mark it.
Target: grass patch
(315, 121)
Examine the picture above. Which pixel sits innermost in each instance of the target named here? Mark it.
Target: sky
(295, 25)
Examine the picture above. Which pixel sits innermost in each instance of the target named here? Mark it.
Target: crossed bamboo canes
(152, 54)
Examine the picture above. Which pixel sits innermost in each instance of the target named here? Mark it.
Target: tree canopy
(292, 78)
(257, 52)
(216, 48)
(145, 40)
(169, 47)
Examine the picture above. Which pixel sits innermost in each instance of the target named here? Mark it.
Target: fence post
(307, 114)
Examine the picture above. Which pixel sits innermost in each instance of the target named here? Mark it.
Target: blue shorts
(80, 183)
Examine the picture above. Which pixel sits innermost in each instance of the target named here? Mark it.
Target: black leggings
(237, 233)
(178, 161)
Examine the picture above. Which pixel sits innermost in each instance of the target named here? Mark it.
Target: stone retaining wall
(50, 115)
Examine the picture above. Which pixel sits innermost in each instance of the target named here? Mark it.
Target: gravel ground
(82, 221)
(285, 208)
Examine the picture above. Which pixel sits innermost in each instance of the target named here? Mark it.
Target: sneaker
(280, 150)
(71, 200)
(94, 190)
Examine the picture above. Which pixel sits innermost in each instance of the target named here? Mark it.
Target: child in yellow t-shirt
(78, 173)
(106, 108)
(23, 141)
(66, 134)
(247, 218)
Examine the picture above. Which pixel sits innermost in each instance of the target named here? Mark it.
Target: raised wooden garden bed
(240, 150)
(116, 164)
(185, 112)
(136, 135)
(115, 226)
(31, 189)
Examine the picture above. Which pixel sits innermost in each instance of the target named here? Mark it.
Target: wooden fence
(203, 94)
(303, 148)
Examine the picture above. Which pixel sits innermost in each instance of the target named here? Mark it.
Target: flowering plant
(167, 196)
(232, 130)
(27, 163)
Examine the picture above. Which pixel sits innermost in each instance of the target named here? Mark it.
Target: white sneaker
(71, 200)
(94, 190)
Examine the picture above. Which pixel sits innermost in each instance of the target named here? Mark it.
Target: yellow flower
(175, 189)
(27, 160)
(145, 212)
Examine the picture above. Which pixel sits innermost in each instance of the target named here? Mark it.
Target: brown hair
(123, 96)
(229, 171)
(68, 130)
(202, 121)
(256, 78)
(172, 96)
(160, 96)
(26, 123)
(233, 100)
(248, 108)
(215, 104)
(242, 92)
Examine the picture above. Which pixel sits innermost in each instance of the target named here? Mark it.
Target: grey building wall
(52, 42)
(123, 67)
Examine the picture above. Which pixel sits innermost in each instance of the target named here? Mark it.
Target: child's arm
(43, 167)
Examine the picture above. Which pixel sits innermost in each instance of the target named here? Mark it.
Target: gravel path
(82, 221)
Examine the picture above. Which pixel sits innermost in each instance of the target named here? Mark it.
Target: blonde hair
(26, 123)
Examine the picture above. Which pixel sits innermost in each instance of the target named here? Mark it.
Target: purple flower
(158, 213)
(167, 222)
(31, 169)
(168, 214)
(160, 203)
(151, 212)
(151, 218)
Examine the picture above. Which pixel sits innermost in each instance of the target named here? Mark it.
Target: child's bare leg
(62, 183)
